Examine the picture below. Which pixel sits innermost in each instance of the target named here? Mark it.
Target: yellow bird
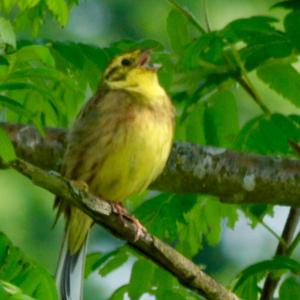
(118, 145)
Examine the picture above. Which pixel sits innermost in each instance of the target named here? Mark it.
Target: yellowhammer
(118, 145)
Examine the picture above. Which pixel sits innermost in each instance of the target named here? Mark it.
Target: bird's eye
(125, 62)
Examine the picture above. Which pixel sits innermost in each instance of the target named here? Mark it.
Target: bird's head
(132, 71)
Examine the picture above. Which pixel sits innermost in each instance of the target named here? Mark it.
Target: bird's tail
(69, 274)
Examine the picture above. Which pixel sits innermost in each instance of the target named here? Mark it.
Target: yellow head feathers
(132, 71)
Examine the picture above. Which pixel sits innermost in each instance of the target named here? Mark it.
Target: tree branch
(287, 236)
(101, 212)
(235, 177)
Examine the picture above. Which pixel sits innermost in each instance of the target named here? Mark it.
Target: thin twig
(288, 233)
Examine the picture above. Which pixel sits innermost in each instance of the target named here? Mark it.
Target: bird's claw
(119, 209)
(140, 229)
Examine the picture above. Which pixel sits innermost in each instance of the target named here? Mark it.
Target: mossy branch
(101, 212)
(234, 177)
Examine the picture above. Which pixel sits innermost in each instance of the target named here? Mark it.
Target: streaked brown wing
(93, 129)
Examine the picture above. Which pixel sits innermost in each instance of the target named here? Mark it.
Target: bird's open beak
(144, 61)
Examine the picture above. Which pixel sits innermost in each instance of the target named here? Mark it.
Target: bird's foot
(80, 184)
(121, 211)
(118, 208)
(140, 229)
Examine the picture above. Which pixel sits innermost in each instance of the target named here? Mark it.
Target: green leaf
(78, 54)
(59, 9)
(283, 78)
(289, 289)
(291, 24)
(126, 45)
(91, 262)
(97, 259)
(3, 62)
(191, 234)
(84, 62)
(119, 293)
(70, 52)
(24, 5)
(32, 13)
(35, 53)
(7, 35)
(221, 121)
(169, 294)
(175, 218)
(213, 215)
(15, 86)
(208, 50)
(45, 73)
(249, 290)
(161, 214)
(44, 92)
(14, 106)
(7, 151)
(18, 270)
(277, 263)
(163, 279)
(95, 54)
(177, 30)
(258, 135)
(12, 292)
(262, 39)
(256, 212)
(141, 278)
(166, 286)
(290, 4)
(194, 129)
(250, 29)
(204, 220)
(113, 263)
(273, 47)
(188, 15)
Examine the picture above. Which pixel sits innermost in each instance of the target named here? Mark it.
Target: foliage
(20, 278)
(44, 82)
(34, 12)
(247, 284)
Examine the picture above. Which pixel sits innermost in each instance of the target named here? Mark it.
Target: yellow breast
(135, 156)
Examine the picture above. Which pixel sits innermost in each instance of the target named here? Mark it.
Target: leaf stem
(205, 9)
(288, 233)
(188, 15)
(277, 236)
(246, 83)
(251, 91)
(293, 245)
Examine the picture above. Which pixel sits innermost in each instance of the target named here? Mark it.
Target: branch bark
(234, 177)
(101, 212)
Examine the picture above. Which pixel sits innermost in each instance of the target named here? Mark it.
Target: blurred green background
(26, 214)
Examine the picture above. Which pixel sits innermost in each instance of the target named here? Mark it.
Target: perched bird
(118, 145)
